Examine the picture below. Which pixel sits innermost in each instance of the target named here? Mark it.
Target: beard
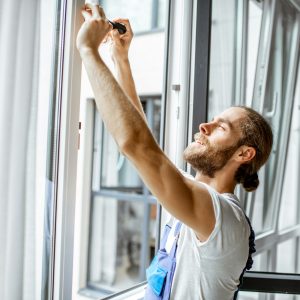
(206, 158)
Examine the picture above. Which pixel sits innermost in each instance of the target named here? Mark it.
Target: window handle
(271, 113)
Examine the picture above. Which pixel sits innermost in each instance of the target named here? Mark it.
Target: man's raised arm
(119, 47)
(180, 196)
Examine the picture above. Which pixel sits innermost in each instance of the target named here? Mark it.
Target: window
(109, 190)
(117, 212)
(275, 101)
(253, 35)
(123, 212)
(271, 34)
(146, 15)
(221, 74)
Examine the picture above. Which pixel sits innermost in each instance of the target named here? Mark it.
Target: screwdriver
(121, 28)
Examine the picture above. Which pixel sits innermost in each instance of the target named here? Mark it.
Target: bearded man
(208, 242)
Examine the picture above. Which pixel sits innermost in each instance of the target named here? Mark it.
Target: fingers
(101, 12)
(116, 36)
(97, 11)
(125, 22)
(85, 12)
(90, 11)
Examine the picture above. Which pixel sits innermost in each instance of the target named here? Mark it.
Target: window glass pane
(286, 257)
(139, 12)
(260, 262)
(260, 206)
(277, 107)
(123, 229)
(289, 207)
(254, 24)
(162, 5)
(144, 15)
(117, 171)
(221, 56)
(117, 254)
(121, 210)
(279, 180)
(282, 258)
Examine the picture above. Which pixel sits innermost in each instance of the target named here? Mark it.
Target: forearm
(122, 119)
(125, 79)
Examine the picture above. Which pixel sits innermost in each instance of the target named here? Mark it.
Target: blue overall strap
(175, 244)
(249, 260)
(166, 233)
(165, 236)
(161, 270)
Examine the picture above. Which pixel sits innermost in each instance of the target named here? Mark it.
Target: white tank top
(211, 270)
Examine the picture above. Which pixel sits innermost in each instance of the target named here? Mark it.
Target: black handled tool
(121, 28)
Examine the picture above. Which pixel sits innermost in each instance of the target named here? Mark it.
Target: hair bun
(251, 182)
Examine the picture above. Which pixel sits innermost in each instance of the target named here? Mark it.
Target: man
(213, 245)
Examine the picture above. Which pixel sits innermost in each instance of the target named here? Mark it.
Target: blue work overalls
(161, 271)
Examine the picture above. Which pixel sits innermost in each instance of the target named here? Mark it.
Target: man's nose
(204, 128)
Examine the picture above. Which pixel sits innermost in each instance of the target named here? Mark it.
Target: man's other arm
(119, 48)
(185, 199)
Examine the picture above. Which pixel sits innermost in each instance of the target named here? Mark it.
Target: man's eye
(223, 128)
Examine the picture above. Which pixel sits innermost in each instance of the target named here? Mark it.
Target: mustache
(199, 137)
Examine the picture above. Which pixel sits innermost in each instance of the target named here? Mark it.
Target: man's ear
(246, 153)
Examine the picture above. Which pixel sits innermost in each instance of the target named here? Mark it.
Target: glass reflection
(117, 171)
(116, 243)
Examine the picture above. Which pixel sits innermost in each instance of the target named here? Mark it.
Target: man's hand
(120, 42)
(94, 28)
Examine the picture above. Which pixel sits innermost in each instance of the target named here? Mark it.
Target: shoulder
(231, 228)
(234, 228)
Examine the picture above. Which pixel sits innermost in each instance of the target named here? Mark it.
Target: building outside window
(123, 212)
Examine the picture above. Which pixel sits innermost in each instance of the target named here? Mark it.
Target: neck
(222, 182)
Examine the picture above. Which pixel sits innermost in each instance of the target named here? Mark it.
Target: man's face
(216, 142)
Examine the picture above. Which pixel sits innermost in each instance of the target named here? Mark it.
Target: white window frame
(69, 79)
